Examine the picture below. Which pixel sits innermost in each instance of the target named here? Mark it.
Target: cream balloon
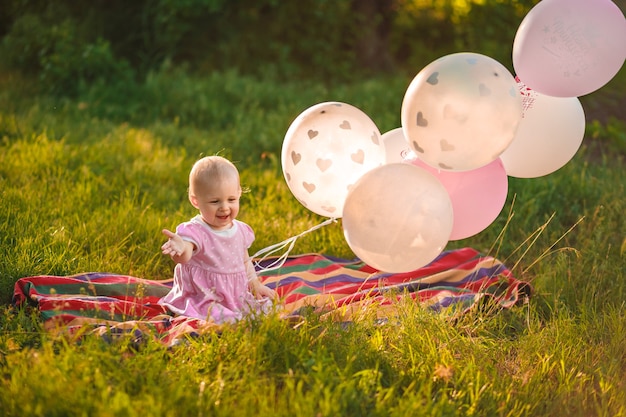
(460, 112)
(397, 218)
(326, 149)
(548, 136)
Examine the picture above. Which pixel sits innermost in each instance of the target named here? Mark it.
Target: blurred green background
(112, 53)
(68, 44)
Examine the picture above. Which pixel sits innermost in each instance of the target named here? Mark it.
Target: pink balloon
(477, 196)
(569, 48)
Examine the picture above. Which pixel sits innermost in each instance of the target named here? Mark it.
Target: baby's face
(219, 202)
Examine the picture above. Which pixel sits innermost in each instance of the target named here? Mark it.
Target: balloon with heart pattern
(461, 111)
(326, 149)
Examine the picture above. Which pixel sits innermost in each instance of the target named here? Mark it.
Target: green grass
(88, 184)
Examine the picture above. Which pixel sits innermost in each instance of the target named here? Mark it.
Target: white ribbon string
(288, 243)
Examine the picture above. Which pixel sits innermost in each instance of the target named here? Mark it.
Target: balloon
(477, 196)
(569, 48)
(548, 137)
(326, 149)
(397, 218)
(460, 112)
(397, 148)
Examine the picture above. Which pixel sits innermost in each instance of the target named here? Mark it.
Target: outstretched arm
(180, 250)
(257, 288)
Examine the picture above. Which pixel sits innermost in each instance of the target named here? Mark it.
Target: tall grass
(88, 184)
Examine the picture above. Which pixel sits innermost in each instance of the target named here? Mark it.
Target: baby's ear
(193, 200)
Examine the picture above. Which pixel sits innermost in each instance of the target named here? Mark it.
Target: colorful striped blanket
(112, 304)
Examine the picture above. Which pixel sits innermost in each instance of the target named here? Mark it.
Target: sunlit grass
(83, 189)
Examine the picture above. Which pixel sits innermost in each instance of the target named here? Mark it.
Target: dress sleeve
(189, 232)
(248, 234)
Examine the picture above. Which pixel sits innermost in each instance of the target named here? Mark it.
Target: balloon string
(288, 243)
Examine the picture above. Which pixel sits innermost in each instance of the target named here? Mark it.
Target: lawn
(87, 184)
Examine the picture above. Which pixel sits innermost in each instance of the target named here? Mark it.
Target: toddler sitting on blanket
(214, 278)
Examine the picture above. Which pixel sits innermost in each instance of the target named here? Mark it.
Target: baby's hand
(264, 291)
(175, 245)
(260, 290)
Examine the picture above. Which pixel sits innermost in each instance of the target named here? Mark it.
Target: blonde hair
(209, 170)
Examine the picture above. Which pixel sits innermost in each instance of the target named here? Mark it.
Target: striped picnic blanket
(113, 304)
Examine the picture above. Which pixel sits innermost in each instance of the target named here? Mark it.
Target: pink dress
(213, 284)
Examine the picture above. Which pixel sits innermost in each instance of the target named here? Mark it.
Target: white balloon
(460, 112)
(326, 149)
(548, 136)
(397, 218)
(397, 148)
